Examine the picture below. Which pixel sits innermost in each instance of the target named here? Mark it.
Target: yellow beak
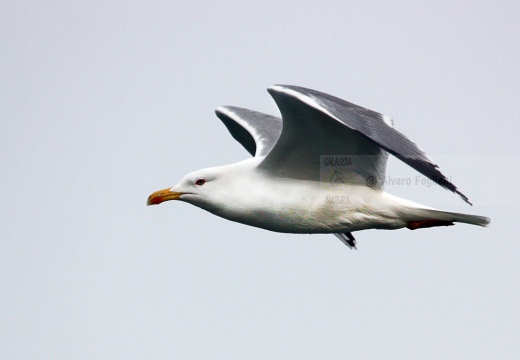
(163, 195)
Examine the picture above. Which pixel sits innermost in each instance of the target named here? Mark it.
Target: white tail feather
(432, 214)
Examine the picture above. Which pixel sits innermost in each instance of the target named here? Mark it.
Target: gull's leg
(419, 224)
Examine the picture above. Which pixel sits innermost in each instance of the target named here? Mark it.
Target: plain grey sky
(103, 103)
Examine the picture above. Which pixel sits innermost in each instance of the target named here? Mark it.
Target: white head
(200, 188)
(212, 189)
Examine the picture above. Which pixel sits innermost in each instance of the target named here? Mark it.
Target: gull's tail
(422, 218)
(418, 216)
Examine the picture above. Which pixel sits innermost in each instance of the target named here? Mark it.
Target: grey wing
(255, 131)
(297, 103)
(314, 146)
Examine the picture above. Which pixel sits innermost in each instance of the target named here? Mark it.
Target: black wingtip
(463, 197)
(350, 240)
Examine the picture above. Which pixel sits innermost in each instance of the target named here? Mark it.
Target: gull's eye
(200, 182)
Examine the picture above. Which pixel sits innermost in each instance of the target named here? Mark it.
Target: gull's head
(219, 190)
(201, 188)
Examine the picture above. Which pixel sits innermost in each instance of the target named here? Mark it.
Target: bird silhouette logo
(337, 180)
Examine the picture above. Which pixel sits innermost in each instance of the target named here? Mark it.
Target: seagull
(319, 169)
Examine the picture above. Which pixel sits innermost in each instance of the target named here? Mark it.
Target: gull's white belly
(296, 206)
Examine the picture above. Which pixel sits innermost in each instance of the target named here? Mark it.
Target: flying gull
(318, 169)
